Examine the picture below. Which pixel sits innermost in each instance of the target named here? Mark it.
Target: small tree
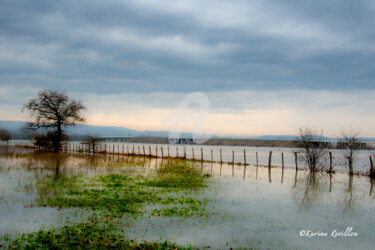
(5, 135)
(53, 109)
(350, 142)
(314, 153)
(93, 141)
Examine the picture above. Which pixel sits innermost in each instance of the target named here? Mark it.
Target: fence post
(244, 156)
(192, 149)
(330, 162)
(372, 173)
(156, 147)
(282, 160)
(201, 154)
(184, 152)
(256, 154)
(270, 159)
(212, 156)
(176, 152)
(144, 152)
(296, 160)
(221, 156)
(149, 150)
(233, 157)
(162, 154)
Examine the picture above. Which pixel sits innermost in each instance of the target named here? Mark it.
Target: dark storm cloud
(109, 47)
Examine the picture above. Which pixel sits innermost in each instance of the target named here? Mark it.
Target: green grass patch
(89, 235)
(117, 194)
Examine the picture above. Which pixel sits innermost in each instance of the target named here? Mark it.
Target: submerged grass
(172, 187)
(89, 235)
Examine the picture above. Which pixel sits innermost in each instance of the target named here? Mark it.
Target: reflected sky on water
(248, 206)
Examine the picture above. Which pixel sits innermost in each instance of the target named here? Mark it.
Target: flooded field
(227, 154)
(119, 200)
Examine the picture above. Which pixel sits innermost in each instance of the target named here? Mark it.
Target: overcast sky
(267, 67)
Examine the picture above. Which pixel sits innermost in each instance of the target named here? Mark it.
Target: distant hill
(80, 130)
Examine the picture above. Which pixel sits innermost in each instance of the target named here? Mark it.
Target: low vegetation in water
(172, 190)
(90, 235)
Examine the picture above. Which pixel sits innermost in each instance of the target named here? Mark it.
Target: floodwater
(225, 154)
(248, 206)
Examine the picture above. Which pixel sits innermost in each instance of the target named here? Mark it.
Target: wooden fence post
(162, 154)
(244, 156)
(270, 159)
(330, 162)
(192, 149)
(221, 156)
(296, 160)
(256, 154)
(201, 154)
(233, 157)
(212, 156)
(372, 172)
(282, 160)
(149, 150)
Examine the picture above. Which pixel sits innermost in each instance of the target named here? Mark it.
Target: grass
(89, 235)
(172, 188)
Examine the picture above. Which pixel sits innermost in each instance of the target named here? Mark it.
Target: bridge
(115, 138)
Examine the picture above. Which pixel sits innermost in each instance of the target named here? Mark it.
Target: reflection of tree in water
(310, 189)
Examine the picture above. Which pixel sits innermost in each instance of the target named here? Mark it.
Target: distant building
(115, 138)
(183, 140)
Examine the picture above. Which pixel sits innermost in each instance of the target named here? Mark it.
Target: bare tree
(53, 109)
(350, 142)
(314, 152)
(5, 135)
(93, 141)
